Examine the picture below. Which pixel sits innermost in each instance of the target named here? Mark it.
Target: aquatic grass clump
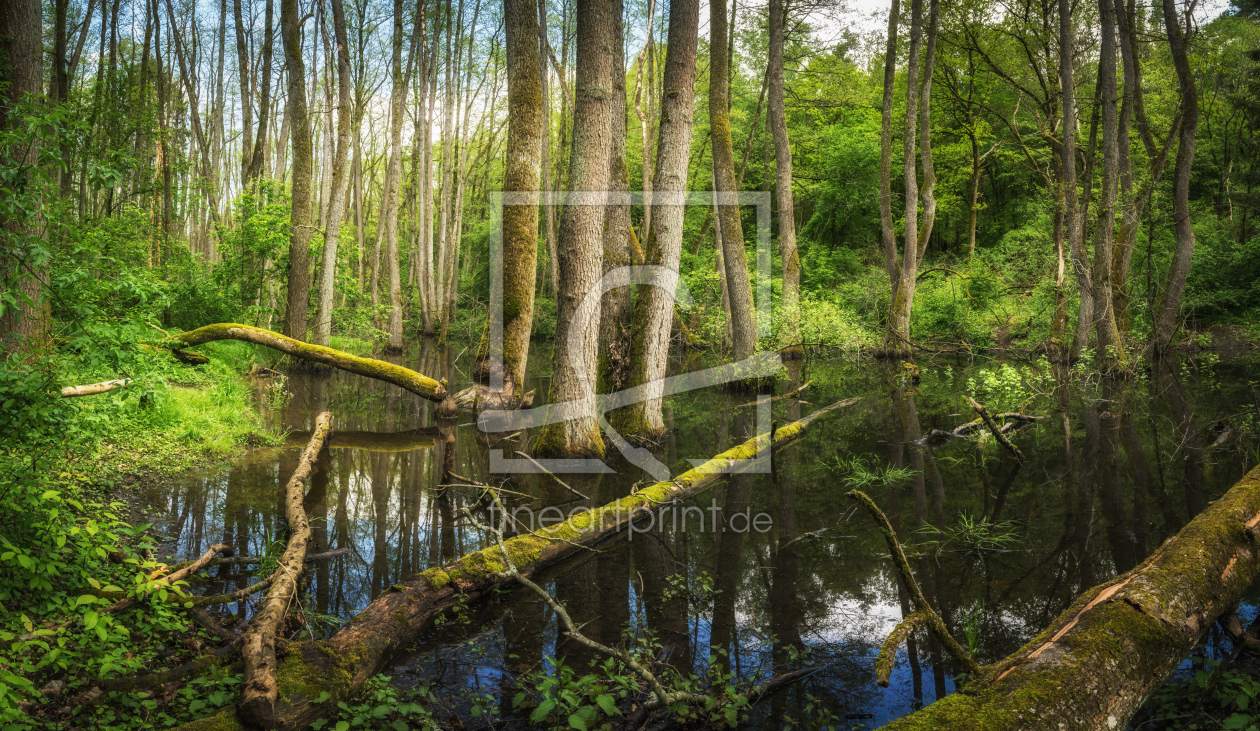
(974, 536)
(865, 471)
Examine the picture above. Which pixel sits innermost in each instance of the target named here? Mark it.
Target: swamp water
(794, 573)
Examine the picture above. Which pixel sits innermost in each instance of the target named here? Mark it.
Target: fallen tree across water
(371, 441)
(389, 625)
(260, 690)
(400, 376)
(1100, 660)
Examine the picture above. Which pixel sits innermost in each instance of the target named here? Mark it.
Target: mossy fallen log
(92, 389)
(370, 441)
(389, 625)
(260, 689)
(1100, 660)
(400, 376)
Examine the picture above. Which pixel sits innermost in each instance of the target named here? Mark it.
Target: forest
(629, 364)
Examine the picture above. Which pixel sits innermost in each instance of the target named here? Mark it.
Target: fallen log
(92, 389)
(400, 376)
(370, 441)
(389, 625)
(1100, 660)
(260, 690)
(245, 560)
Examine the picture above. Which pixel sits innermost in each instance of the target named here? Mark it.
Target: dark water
(1113, 469)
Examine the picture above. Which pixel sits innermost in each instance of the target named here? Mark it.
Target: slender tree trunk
(300, 207)
(616, 304)
(258, 158)
(1167, 315)
(644, 122)
(898, 341)
(1108, 337)
(337, 190)
(790, 323)
(393, 180)
(654, 305)
(739, 286)
(574, 362)
(549, 212)
(887, 228)
(1072, 217)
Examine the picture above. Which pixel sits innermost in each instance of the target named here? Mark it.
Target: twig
(997, 432)
(548, 473)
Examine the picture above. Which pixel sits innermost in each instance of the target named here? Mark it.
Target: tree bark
(654, 305)
(738, 284)
(619, 249)
(789, 306)
(888, 229)
(299, 279)
(575, 358)
(1168, 313)
(259, 692)
(898, 340)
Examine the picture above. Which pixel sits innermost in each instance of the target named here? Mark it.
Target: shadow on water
(1113, 469)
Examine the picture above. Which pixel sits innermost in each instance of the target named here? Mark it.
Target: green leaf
(1236, 721)
(342, 725)
(400, 726)
(518, 699)
(324, 696)
(607, 704)
(196, 705)
(85, 599)
(575, 721)
(542, 711)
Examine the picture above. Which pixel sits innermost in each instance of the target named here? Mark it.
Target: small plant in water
(865, 471)
(974, 535)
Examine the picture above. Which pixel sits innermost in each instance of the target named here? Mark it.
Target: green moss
(437, 577)
(224, 720)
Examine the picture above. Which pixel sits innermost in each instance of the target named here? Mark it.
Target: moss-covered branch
(400, 376)
(921, 605)
(887, 659)
(1100, 660)
(998, 434)
(392, 623)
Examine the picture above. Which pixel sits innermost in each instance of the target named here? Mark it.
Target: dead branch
(92, 389)
(997, 431)
(920, 602)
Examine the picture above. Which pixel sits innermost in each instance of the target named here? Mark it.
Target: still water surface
(1113, 469)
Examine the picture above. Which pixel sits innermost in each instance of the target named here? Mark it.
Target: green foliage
(1211, 697)
(974, 535)
(381, 706)
(865, 471)
(1006, 387)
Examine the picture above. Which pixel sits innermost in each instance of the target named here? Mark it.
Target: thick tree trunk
(654, 305)
(393, 622)
(405, 378)
(260, 691)
(337, 190)
(299, 279)
(738, 284)
(1168, 314)
(789, 306)
(523, 172)
(25, 322)
(1099, 661)
(575, 360)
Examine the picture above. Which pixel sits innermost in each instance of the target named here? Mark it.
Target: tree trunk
(258, 158)
(526, 115)
(1108, 337)
(300, 209)
(575, 358)
(898, 340)
(24, 324)
(887, 227)
(616, 304)
(393, 180)
(738, 284)
(654, 305)
(1072, 216)
(337, 189)
(404, 378)
(1167, 315)
(789, 306)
